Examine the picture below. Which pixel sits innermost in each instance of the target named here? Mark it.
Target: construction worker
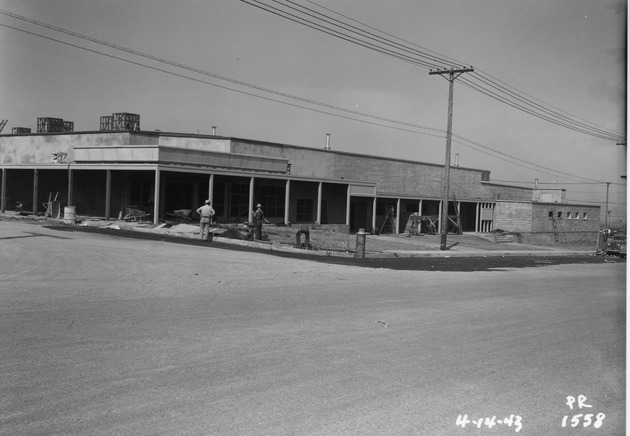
(259, 218)
(207, 212)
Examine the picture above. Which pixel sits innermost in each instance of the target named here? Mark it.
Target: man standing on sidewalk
(259, 217)
(207, 212)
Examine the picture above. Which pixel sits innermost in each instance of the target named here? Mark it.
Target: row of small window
(570, 215)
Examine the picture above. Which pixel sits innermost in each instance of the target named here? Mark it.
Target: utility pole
(449, 75)
(606, 220)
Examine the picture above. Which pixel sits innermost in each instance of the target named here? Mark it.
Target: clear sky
(568, 56)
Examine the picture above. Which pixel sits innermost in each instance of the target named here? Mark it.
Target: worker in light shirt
(207, 212)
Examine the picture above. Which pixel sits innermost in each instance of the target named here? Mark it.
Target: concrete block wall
(38, 149)
(513, 216)
(505, 192)
(392, 176)
(588, 220)
(549, 195)
(547, 237)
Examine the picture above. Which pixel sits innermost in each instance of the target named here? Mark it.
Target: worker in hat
(259, 217)
(207, 212)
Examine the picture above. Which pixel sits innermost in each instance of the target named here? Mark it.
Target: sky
(189, 65)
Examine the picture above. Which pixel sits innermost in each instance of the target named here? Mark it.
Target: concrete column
(477, 222)
(374, 215)
(69, 185)
(440, 216)
(287, 191)
(319, 203)
(251, 200)
(398, 216)
(35, 188)
(211, 188)
(3, 193)
(348, 205)
(156, 196)
(108, 193)
(420, 207)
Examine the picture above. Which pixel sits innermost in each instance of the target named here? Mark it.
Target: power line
(538, 111)
(408, 126)
(337, 28)
(447, 59)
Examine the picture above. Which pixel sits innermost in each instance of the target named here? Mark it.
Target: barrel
(70, 215)
(359, 252)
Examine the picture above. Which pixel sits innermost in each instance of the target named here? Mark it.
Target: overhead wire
(259, 88)
(541, 112)
(221, 86)
(545, 112)
(332, 32)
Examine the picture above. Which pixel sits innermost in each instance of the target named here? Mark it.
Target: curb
(270, 246)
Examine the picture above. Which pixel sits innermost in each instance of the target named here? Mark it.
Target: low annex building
(101, 173)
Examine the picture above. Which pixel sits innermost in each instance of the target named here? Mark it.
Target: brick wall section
(392, 176)
(506, 192)
(542, 223)
(549, 195)
(38, 149)
(513, 216)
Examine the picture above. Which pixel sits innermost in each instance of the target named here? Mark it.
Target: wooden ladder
(388, 221)
(558, 231)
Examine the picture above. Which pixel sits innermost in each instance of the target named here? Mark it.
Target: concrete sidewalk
(192, 232)
(428, 249)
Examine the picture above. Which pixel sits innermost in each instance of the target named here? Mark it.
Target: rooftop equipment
(50, 125)
(120, 121)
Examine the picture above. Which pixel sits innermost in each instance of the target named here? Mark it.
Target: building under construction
(118, 168)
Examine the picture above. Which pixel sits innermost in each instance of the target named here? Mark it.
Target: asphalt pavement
(105, 335)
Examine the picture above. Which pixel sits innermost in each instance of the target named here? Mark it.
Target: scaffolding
(68, 126)
(19, 130)
(106, 123)
(50, 125)
(120, 121)
(125, 121)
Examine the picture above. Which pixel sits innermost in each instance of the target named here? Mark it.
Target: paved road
(104, 335)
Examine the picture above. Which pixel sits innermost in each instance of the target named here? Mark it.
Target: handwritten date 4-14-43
(512, 420)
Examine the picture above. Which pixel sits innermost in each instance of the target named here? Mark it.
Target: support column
(3, 193)
(348, 206)
(440, 217)
(108, 193)
(319, 203)
(477, 222)
(374, 216)
(211, 188)
(69, 185)
(35, 189)
(287, 190)
(156, 196)
(420, 207)
(398, 217)
(251, 200)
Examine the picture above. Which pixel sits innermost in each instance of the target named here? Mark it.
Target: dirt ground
(107, 335)
(324, 239)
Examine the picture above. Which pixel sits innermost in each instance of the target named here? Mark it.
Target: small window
(559, 215)
(550, 214)
(585, 216)
(577, 215)
(568, 215)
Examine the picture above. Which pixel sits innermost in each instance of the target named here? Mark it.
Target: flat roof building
(101, 173)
